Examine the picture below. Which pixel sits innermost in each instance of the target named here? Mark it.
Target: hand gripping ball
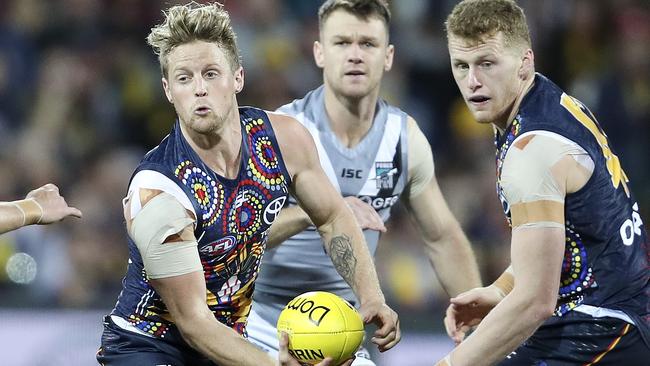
(321, 324)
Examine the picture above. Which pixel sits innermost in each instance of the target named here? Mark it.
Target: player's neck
(220, 150)
(525, 88)
(350, 119)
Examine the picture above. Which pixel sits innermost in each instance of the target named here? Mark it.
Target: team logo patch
(384, 172)
(219, 247)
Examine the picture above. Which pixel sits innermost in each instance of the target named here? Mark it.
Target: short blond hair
(194, 22)
(476, 19)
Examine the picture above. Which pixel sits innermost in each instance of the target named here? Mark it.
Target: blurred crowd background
(81, 102)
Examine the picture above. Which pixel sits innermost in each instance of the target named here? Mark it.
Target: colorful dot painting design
(501, 150)
(156, 329)
(208, 193)
(577, 275)
(263, 164)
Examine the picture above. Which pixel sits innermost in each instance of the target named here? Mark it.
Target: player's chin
(354, 91)
(482, 117)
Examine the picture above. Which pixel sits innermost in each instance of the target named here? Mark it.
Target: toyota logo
(273, 209)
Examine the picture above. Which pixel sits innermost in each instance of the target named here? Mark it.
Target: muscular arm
(185, 298)
(184, 294)
(537, 174)
(445, 243)
(325, 207)
(536, 260)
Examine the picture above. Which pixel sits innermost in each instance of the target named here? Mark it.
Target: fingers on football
(283, 355)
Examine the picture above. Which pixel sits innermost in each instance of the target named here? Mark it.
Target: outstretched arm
(43, 205)
(445, 243)
(341, 234)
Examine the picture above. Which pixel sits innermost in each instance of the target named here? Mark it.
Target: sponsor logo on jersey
(379, 203)
(219, 247)
(272, 210)
(384, 171)
(352, 173)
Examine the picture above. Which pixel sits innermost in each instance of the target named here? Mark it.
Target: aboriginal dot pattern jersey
(606, 249)
(233, 218)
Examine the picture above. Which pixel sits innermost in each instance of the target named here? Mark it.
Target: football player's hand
(468, 309)
(285, 358)
(388, 333)
(52, 204)
(366, 216)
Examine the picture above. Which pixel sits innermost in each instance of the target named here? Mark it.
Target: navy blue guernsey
(606, 250)
(233, 218)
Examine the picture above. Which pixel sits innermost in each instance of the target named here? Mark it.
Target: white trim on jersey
(322, 154)
(385, 153)
(124, 324)
(151, 179)
(598, 312)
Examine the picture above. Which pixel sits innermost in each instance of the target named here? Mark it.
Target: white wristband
(21, 211)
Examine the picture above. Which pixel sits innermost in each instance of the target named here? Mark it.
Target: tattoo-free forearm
(454, 262)
(291, 221)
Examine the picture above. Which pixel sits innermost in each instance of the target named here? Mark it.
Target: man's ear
(390, 54)
(527, 64)
(239, 79)
(168, 92)
(318, 54)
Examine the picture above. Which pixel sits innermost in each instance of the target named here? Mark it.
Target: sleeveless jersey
(233, 218)
(375, 171)
(606, 251)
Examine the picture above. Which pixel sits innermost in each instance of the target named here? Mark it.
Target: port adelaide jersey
(375, 171)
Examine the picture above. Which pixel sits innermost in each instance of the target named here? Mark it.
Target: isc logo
(316, 313)
(351, 173)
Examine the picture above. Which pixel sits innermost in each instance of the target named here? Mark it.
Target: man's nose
(355, 54)
(473, 79)
(200, 89)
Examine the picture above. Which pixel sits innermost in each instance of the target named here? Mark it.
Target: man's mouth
(202, 111)
(478, 99)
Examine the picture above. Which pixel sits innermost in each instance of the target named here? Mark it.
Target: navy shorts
(579, 339)
(124, 348)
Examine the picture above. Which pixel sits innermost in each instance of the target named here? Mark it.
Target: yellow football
(321, 324)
